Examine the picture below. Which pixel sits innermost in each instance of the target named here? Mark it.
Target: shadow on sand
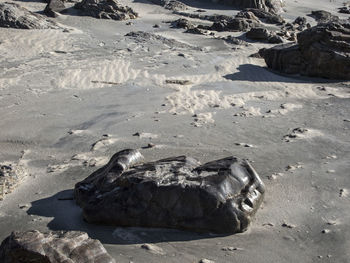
(68, 216)
(249, 72)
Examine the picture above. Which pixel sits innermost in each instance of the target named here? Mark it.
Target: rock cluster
(269, 5)
(220, 196)
(263, 15)
(262, 34)
(106, 9)
(322, 51)
(14, 16)
(52, 247)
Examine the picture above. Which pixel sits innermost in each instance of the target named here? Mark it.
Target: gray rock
(106, 9)
(10, 176)
(265, 16)
(220, 196)
(322, 51)
(52, 247)
(182, 23)
(173, 5)
(262, 34)
(235, 24)
(268, 5)
(14, 16)
(322, 16)
(344, 10)
(54, 7)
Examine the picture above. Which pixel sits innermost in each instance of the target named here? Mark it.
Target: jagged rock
(235, 24)
(269, 5)
(182, 23)
(234, 40)
(54, 7)
(177, 192)
(14, 16)
(322, 51)
(173, 5)
(262, 34)
(52, 247)
(285, 58)
(106, 9)
(344, 10)
(196, 30)
(265, 16)
(322, 16)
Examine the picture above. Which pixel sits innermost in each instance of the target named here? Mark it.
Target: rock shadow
(249, 72)
(68, 216)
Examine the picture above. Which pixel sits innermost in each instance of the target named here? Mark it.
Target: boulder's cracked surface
(177, 192)
(14, 16)
(322, 51)
(106, 9)
(52, 247)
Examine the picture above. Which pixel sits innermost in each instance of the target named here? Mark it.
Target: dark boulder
(322, 51)
(235, 24)
(178, 192)
(54, 7)
(106, 9)
(182, 23)
(52, 247)
(14, 16)
(344, 10)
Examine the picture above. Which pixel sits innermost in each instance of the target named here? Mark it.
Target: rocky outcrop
(54, 7)
(173, 5)
(264, 35)
(106, 9)
(263, 15)
(322, 16)
(235, 24)
(52, 247)
(322, 51)
(269, 5)
(14, 16)
(178, 192)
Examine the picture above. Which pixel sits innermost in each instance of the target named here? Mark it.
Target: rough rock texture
(52, 247)
(271, 5)
(106, 9)
(322, 51)
(265, 16)
(54, 7)
(10, 176)
(219, 196)
(173, 5)
(322, 16)
(262, 34)
(235, 24)
(14, 16)
(182, 23)
(344, 10)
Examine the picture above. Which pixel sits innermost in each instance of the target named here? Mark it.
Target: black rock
(258, 34)
(106, 9)
(52, 247)
(344, 10)
(54, 7)
(182, 23)
(14, 16)
(177, 192)
(235, 24)
(322, 51)
(265, 16)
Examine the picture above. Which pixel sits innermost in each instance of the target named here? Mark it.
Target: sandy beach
(72, 97)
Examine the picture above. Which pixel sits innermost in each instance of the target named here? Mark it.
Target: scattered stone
(157, 194)
(150, 145)
(204, 260)
(322, 51)
(53, 247)
(146, 135)
(325, 231)
(106, 9)
(288, 225)
(196, 31)
(153, 249)
(54, 7)
(234, 40)
(231, 248)
(14, 16)
(178, 82)
(343, 192)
